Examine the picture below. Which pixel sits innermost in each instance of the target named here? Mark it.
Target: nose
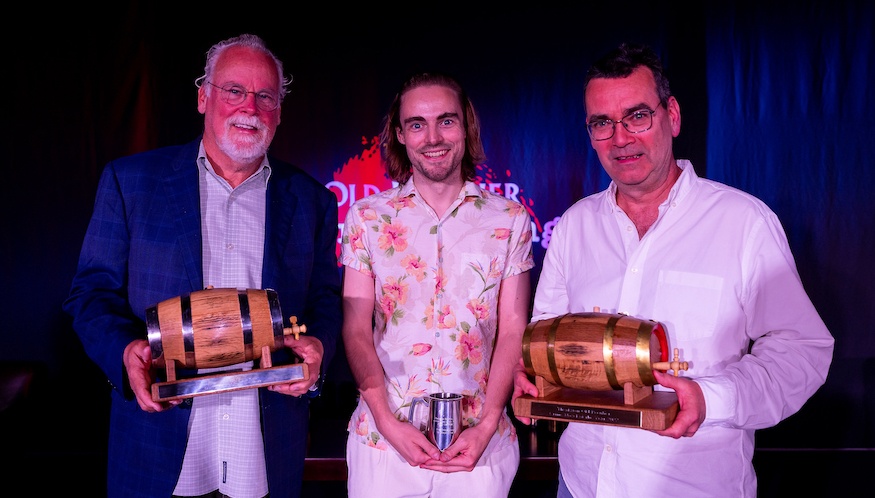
(433, 135)
(621, 135)
(249, 102)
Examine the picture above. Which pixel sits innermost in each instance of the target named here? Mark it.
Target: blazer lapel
(282, 204)
(182, 191)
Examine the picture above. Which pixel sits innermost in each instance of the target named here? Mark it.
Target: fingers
(692, 405)
(137, 359)
(525, 420)
(296, 389)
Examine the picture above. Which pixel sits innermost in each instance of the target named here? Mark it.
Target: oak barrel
(214, 327)
(594, 351)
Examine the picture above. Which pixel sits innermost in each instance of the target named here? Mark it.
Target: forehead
(429, 101)
(615, 96)
(245, 65)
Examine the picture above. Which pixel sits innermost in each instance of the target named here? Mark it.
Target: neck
(438, 195)
(234, 172)
(642, 206)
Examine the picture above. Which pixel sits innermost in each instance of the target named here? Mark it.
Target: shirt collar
(684, 183)
(264, 167)
(680, 189)
(469, 189)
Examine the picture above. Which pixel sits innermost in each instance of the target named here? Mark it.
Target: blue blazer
(143, 246)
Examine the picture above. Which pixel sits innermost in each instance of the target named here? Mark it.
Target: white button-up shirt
(716, 270)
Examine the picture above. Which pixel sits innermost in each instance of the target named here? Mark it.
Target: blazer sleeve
(98, 302)
(142, 246)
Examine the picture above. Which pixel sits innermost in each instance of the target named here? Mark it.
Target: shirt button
(634, 270)
(628, 228)
(226, 416)
(608, 448)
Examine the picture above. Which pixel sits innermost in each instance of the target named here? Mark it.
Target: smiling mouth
(435, 154)
(624, 158)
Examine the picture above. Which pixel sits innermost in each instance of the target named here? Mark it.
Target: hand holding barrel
(691, 402)
(608, 363)
(137, 359)
(310, 350)
(220, 328)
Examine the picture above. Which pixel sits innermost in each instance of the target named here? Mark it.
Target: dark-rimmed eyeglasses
(634, 122)
(235, 95)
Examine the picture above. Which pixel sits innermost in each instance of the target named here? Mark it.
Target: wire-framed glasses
(235, 94)
(634, 122)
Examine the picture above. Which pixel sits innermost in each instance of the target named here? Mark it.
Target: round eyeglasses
(235, 94)
(634, 122)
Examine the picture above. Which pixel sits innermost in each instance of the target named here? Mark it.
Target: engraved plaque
(654, 412)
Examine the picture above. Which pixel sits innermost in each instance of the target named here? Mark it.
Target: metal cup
(444, 421)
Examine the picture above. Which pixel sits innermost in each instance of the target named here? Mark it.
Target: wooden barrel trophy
(598, 368)
(218, 328)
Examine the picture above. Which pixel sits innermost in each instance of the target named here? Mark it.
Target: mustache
(251, 121)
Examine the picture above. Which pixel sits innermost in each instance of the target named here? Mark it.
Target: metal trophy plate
(228, 381)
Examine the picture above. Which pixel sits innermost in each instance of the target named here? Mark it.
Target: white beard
(244, 149)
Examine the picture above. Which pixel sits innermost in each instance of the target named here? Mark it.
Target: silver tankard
(444, 420)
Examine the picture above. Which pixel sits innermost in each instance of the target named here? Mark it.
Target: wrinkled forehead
(616, 96)
(246, 66)
(429, 101)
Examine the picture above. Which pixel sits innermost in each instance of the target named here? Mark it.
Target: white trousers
(386, 474)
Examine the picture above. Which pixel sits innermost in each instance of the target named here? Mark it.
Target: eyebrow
(626, 112)
(439, 118)
(234, 83)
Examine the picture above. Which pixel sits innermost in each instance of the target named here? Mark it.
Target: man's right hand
(522, 385)
(138, 364)
(409, 442)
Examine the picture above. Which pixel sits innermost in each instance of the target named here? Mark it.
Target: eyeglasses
(634, 122)
(235, 95)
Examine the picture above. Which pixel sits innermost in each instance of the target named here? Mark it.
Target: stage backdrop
(775, 98)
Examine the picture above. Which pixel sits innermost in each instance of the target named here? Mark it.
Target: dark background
(776, 99)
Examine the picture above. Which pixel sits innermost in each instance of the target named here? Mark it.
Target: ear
(399, 135)
(201, 100)
(674, 113)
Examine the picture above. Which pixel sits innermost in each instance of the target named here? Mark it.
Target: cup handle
(413, 403)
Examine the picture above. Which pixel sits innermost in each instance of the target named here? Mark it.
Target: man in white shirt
(709, 262)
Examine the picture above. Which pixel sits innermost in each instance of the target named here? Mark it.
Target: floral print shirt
(436, 284)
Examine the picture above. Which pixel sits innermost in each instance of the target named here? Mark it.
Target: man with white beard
(216, 212)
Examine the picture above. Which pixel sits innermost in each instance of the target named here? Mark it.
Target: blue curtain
(791, 119)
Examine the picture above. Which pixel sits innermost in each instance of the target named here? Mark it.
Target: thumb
(664, 379)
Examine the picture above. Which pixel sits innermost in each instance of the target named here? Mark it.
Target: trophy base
(228, 381)
(654, 412)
